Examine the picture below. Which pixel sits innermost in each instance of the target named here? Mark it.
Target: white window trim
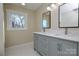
(18, 12)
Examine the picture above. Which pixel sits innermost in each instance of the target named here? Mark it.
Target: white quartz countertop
(62, 36)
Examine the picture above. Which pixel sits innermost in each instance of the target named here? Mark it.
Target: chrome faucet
(43, 29)
(66, 31)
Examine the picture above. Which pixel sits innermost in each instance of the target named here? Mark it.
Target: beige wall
(2, 35)
(15, 37)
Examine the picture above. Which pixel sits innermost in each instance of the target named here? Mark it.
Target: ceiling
(31, 6)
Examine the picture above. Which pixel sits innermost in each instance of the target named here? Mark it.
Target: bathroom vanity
(51, 44)
(55, 45)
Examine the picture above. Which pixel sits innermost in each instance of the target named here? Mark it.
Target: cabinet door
(52, 46)
(67, 48)
(42, 45)
(78, 48)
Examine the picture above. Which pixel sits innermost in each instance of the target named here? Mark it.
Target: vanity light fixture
(51, 6)
(23, 4)
(59, 3)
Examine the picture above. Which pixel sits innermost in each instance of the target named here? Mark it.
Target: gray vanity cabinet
(67, 48)
(52, 46)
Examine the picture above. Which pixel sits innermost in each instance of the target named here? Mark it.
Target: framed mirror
(46, 20)
(68, 15)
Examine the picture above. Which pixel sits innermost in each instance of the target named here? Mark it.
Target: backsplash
(74, 31)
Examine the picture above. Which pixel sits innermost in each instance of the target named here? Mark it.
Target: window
(16, 20)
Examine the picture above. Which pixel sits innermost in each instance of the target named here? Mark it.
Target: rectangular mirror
(46, 20)
(68, 15)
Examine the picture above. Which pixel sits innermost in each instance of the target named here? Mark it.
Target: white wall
(2, 41)
(54, 22)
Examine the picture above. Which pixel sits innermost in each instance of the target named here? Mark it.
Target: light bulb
(48, 8)
(53, 6)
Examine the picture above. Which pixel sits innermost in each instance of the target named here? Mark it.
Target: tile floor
(21, 50)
